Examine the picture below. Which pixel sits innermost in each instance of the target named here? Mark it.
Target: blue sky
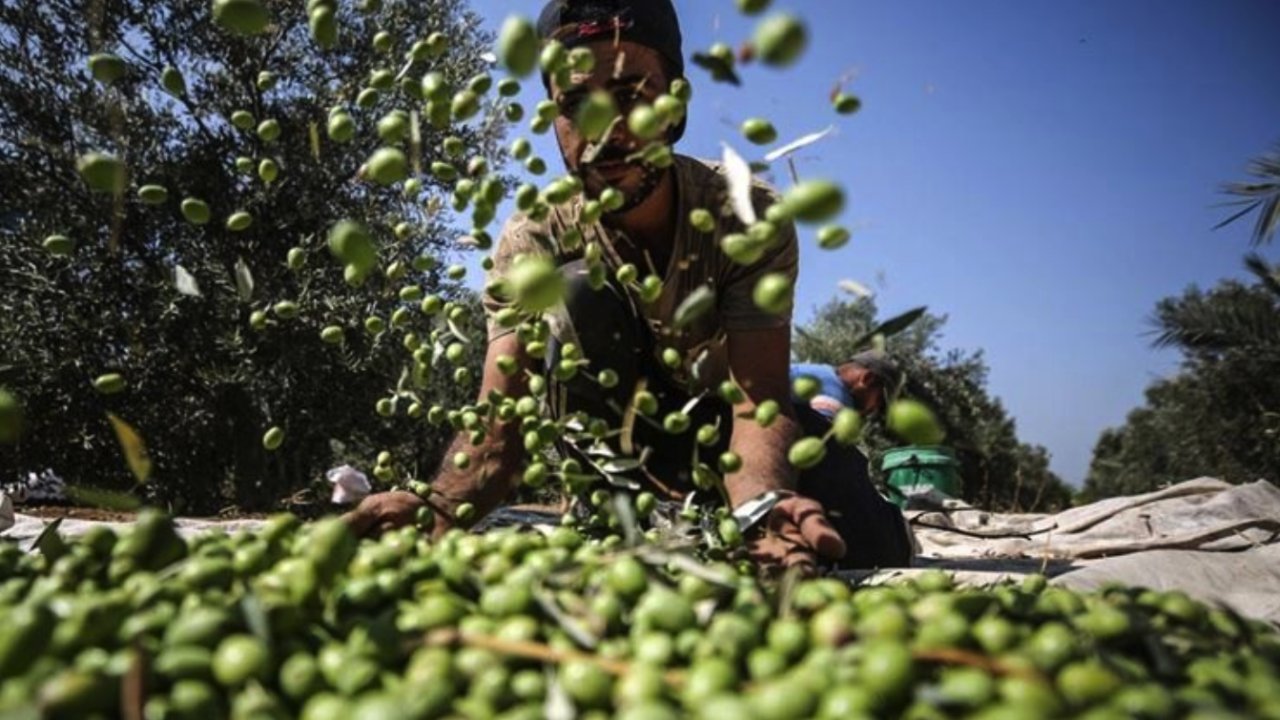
(1040, 171)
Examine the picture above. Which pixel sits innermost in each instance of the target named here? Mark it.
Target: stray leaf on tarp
(105, 499)
(244, 280)
(185, 283)
(798, 143)
(135, 449)
(50, 543)
(739, 176)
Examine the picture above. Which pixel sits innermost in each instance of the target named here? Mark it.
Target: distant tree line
(1219, 414)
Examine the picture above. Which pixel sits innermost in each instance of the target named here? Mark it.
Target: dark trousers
(612, 333)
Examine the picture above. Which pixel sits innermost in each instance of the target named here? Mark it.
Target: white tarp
(1215, 541)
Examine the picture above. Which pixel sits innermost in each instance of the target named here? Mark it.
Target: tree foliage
(1219, 416)
(203, 383)
(998, 471)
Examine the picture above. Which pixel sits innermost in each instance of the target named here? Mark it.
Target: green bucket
(917, 469)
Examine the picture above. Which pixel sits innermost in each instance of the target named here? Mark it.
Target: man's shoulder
(708, 175)
(521, 233)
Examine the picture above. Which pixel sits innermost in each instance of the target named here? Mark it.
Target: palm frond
(1264, 197)
(1230, 317)
(1266, 273)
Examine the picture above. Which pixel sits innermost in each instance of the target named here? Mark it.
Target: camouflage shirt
(696, 261)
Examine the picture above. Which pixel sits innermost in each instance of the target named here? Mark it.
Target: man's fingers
(819, 535)
(810, 527)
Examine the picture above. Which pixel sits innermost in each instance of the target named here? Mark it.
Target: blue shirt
(833, 394)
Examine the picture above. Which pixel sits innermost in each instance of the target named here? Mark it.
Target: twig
(956, 656)
(539, 652)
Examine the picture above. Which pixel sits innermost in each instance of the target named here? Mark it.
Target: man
(862, 383)
(660, 365)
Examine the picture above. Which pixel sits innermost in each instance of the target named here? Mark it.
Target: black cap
(651, 23)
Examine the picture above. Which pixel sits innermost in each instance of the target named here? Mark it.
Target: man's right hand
(381, 512)
(796, 533)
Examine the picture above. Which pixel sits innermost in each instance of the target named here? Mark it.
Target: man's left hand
(796, 533)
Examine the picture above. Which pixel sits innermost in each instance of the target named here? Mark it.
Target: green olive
(1086, 682)
(106, 68)
(807, 452)
(268, 170)
(833, 237)
(702, 220)
(341, 127)
(644, 122)
(518, 46)
(759, 131)
(846, 103)
(240, 658)
(242, 17)
(914, 422)
(273, 439)
(102, 172)
(109, 384)
(780, 40)
(806, 387)
(59, 245)
(269, 130)
(239, 220)
(773, 294)
(333, 335)
(814, 200)
(387, 166)
(595, 115)
(393, 127)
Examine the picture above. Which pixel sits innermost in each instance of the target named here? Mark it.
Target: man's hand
(794, 534)
(379, 513)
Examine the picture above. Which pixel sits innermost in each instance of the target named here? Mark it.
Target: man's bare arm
(760, 363)
(490, 476)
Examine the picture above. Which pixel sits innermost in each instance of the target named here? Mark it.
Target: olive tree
(201, 276)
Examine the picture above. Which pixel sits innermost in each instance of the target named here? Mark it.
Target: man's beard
(650, 178)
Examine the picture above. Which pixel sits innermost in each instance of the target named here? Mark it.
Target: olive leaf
(738, 174)
(572, 627)
(244, 280)
(457, 332)
(134, 448)
(255, 617)
(855, 288)
(697, 304)
(891, 327)
(798, 143)
(50, 543)
(185, 283)
(720, 69)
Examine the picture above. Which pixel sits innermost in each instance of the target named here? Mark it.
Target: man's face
(633, 75)
(868, 391)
